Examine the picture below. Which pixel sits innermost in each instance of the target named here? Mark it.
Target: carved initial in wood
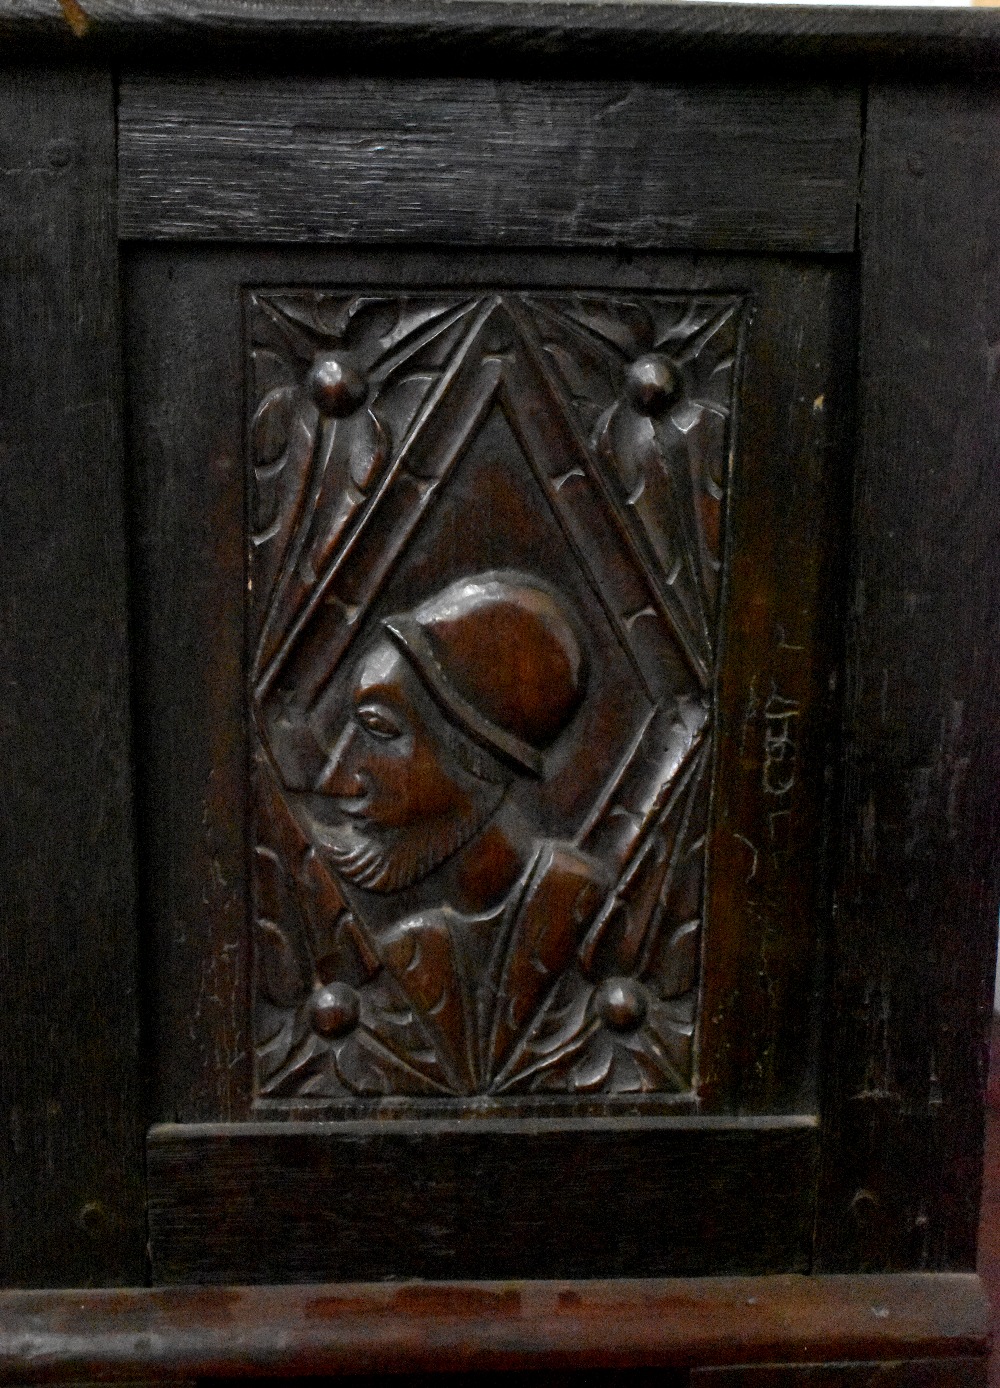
(484, 579)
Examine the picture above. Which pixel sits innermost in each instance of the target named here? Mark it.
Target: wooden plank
(268, 1202)
(70, 1158)
(916, 925)
(392, 1328)
(485, 161)
(185, 443)
(608, 40)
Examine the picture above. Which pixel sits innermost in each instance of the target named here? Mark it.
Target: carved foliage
(484, 574)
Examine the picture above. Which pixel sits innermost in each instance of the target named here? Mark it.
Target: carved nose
(338, 778)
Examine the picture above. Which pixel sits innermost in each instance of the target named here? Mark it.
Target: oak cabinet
(501, 585)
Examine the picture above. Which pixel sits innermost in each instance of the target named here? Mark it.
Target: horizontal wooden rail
(185, 1332)
(632, 39)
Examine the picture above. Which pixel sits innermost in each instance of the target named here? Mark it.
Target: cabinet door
(486, 611)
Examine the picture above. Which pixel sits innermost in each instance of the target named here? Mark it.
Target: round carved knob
(336, 388)
(335, 1009)
(652, 383)
(621, 1004)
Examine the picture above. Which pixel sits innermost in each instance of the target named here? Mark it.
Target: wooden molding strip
(184, 1332)
(633, 39)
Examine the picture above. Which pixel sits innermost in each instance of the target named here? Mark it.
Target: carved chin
(371, 861)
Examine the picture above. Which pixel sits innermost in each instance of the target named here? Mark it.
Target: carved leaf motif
(679, 961)
(280, 971)
(271, 425)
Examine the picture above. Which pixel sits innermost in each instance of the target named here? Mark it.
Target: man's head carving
(500, 659)
(461, 694)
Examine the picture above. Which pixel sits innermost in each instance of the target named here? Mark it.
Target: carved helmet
(499, 657)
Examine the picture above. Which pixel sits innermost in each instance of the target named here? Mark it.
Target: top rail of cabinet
(650, 38)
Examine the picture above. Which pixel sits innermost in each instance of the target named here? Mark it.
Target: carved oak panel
(484, 574)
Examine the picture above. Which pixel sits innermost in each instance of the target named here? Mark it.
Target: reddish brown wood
(383, 1328)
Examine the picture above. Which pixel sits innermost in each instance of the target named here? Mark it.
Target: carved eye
(377, 721)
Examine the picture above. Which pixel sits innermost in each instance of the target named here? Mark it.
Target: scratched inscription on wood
(484, 573)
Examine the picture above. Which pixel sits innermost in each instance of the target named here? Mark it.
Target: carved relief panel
(484, 575)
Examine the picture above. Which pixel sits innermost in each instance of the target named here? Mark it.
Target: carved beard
(379, 864)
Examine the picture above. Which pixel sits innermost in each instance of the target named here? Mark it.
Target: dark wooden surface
(355, 1328)
(70, 1156)
(490, 162)
(912, 951)
(916, 917)
(630, 40)
(489, 1198)
(770, 853)
(185, 449)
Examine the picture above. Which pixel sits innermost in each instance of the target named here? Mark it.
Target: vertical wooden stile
(70, 1149)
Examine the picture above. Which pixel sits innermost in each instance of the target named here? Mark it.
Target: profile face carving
(452, 701)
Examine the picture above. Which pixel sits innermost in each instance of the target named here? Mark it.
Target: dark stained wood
(769, 852)
(379, 1329)
(483, 1198)
(490, 162)
(591, 1187)
(188, 661)
(917, 907)
(70, 1156)
(965, 1372)
(543, 36)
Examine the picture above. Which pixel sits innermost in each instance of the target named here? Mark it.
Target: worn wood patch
(484, 161)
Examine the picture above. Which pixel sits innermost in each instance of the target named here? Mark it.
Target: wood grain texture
(185, 444)
(70, 1156)
(356, 1328)
(916, 926)
(490, 162)
(296, 1202)
(768, 902)
(632, 40)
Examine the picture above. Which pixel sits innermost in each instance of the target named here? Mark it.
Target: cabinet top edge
(599, 37)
